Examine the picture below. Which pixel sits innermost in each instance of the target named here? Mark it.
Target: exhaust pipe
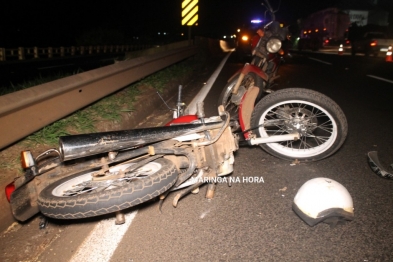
(78, 146)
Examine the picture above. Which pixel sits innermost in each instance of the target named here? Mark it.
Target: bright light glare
(245, 38)
(225, 47)
(256, 21)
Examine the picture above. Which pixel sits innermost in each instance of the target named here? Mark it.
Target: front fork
(248, 68)
(246, 108)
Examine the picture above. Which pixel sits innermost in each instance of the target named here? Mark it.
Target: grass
(109, 108)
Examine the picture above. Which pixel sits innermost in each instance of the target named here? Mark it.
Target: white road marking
(380, 78)
(323, 62)
(103, 240)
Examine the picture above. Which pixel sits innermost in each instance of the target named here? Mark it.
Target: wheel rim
(226, 100)
(83, 184)
(316, 126)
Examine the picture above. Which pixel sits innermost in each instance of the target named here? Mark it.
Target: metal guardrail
(28, 110)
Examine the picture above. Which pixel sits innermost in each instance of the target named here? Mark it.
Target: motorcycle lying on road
(101, 173)
(263, 113)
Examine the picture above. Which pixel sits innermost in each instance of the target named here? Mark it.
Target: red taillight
(327, 41)
(373, 43)
(8, 190)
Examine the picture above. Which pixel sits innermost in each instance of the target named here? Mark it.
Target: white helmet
(323, 200)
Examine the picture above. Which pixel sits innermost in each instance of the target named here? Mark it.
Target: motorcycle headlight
(273, 45)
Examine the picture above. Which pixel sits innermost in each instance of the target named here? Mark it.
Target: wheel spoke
(314, 124)
(86, 185)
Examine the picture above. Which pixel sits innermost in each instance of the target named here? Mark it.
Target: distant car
(371, 43)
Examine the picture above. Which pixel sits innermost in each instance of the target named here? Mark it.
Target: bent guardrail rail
(26, 111)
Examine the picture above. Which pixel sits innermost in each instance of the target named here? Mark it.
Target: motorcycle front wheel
(77, 196)
(320, 122)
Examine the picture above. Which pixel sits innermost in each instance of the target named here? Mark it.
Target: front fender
(249, 69)
(246, 108)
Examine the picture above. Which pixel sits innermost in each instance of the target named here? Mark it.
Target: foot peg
(120, 218)
(211, 188)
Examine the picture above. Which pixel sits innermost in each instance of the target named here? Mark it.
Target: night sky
(44, 23)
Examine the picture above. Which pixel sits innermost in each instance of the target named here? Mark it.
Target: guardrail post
(2, 54)
(90, 50)
(50, 52)
(62, 51)
(21, 53)
(72, 50)
(35, 52)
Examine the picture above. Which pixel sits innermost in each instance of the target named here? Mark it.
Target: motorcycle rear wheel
(62, 200)
(320, 122)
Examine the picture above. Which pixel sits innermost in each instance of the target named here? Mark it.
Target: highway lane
(254, 221)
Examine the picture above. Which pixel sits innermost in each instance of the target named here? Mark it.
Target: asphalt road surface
(252, 220)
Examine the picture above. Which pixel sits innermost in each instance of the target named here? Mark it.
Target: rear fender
(24, 200)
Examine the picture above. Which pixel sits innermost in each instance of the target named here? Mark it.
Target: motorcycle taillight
(8, 190)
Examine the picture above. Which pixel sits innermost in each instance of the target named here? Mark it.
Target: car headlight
(273, 45)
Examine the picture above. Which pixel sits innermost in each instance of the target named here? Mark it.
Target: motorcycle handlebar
(270, 9)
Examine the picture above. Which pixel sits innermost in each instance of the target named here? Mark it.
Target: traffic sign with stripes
(189, 12)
